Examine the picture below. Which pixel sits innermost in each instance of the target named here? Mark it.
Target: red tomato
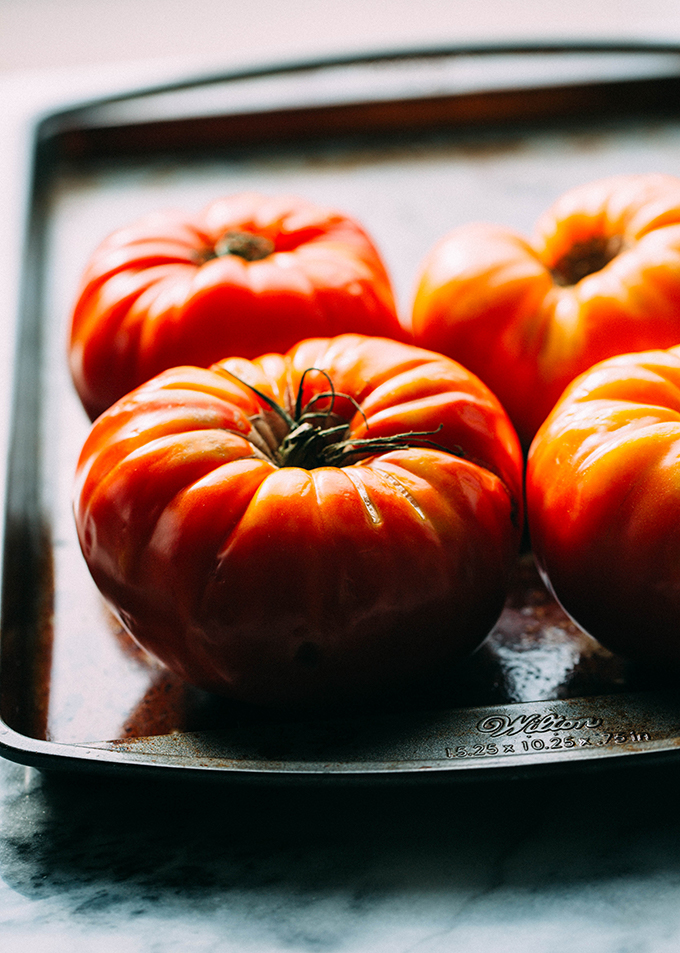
(327, 524)
(246, 275)
(603, 499)
(601, 277)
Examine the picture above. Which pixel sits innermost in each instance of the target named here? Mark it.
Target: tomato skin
(152, 297)
(603, 503)
(293, 586)
(515, 311)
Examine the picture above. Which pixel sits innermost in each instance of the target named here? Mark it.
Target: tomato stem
(585, 258)
(310, 444)
(245, 244)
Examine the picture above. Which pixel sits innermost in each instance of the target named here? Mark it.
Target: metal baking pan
(411, 143)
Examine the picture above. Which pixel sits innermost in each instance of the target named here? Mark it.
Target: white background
(49, 34)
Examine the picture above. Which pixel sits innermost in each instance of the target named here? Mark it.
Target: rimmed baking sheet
(410, 144)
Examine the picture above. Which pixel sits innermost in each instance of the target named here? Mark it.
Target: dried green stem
(309, 444)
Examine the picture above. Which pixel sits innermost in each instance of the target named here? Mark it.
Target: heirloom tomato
(329, 524)
(603, 499)
(247, 274)
(601, 277)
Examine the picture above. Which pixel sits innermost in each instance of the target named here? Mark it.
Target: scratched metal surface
(74, 688)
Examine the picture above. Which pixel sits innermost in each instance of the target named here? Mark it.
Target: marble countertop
(588, 862)
(581, 863)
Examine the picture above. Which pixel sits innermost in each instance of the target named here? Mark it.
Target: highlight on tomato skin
(325, 526)
(599, 277)
(603, 504)
(247, 274)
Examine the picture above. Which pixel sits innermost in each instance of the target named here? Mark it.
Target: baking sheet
(410, 145)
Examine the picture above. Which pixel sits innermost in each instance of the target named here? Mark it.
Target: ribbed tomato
(600, 277)
(603, 498)
(332, 523)
(247, 274)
